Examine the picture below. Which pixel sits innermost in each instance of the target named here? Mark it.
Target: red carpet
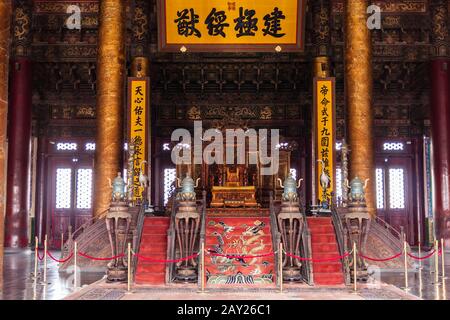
(154, 245)
(249, 236)
(324, 245)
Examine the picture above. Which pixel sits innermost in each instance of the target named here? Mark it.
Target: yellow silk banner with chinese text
(325, 135)
(138, 131)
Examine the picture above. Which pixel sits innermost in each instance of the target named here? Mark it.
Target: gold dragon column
(358, 82)
(110, 92)
(5, 21)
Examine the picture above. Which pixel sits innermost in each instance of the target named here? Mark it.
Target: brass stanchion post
(75, 254)
(202, 247)
(355, 286)
(36, 257)
(405, 254)
(436, 262)
(45, 260)
(129, 267)
(280, 265)
(443, 259)
(420, 254)
(62, 245)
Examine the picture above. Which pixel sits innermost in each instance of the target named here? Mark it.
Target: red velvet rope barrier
(232, 256)
(423, 258)
(39, 257)
(318, 260)
(100, 259)
(165, 261)
(381, 260)
(58, 260)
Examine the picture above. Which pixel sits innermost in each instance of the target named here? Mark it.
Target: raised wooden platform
(234, 197)
(238, 212)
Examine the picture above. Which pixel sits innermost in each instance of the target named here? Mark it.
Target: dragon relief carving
(140, 24)
(439, 23)
(22, 24)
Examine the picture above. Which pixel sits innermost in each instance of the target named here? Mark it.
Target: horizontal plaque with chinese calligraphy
(231, 25)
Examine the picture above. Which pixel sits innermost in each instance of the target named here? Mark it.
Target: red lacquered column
(19, 135)
(440, 136)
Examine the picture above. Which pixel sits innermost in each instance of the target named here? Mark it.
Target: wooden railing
(75, 234)
(342, 238)
(138, 234)
(394, 237)
(306, 251)
(69, 243)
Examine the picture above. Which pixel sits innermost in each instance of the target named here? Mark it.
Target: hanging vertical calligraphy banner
(231, 25)
(325, 132)
(138, 117)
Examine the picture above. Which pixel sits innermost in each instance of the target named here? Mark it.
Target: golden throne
(234, 193)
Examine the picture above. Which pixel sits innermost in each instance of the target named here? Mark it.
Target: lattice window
(379, 174)
(394, 146)
(169, 186)
(293, 173)
(66, 146)
(84, 188)
(397, 188)
(90, 146)
(338, 183)
(63, 188)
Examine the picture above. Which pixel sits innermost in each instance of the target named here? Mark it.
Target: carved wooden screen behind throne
(234, 175)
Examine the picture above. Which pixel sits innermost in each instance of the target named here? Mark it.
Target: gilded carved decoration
(404, 6)
(22, 27)
(22, 24)
(321, 20)
(140, 24)
(140, 28)
(194, 113)
(213, 112)
(47, 6)
(439, 28)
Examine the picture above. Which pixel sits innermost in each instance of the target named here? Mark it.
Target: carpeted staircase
(324, 246)
(249, 236)
(154, 245)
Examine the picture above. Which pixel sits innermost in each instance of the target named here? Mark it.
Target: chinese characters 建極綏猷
(245, 24)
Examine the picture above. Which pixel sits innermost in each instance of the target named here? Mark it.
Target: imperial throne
(234, 192)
